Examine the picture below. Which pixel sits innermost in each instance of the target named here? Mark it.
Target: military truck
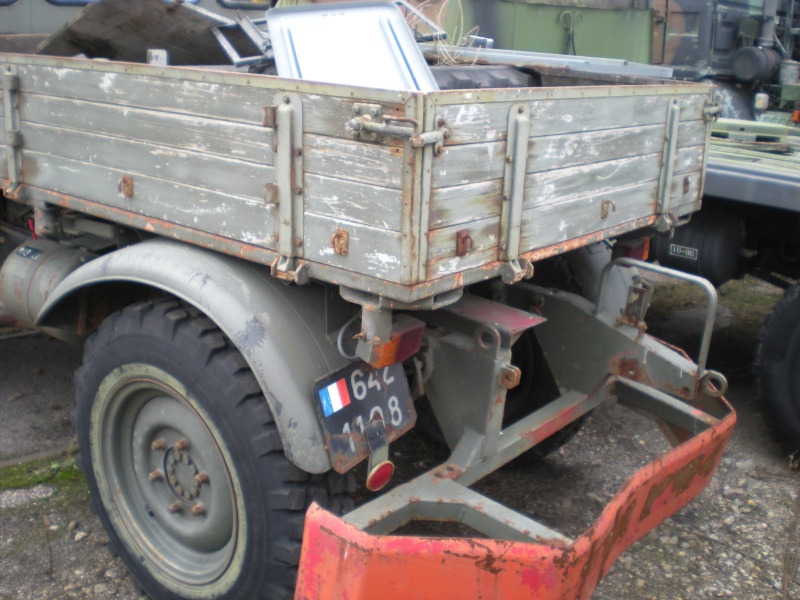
(268, 273)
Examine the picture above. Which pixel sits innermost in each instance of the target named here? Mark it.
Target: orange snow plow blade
(342, 562)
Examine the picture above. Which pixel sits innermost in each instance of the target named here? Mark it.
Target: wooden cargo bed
(263, 168)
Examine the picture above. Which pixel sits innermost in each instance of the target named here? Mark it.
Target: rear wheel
(778, 370)
(185, 463)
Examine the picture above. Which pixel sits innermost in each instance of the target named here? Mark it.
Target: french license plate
(348, 399)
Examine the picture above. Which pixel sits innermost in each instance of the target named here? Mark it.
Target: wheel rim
(165, 478)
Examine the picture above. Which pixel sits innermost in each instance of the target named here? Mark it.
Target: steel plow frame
(341, 559)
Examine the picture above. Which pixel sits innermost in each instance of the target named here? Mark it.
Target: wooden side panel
(215, 173)
(250, 142)
(372, 251)
(579, 157)
(242, 102)
(200, 156)
(248, 220)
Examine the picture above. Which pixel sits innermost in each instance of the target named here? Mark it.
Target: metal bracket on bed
(12, 133)
(285, 117)
(516, 163)
(668, 156)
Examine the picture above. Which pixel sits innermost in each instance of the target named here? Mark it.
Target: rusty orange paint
(341, 562)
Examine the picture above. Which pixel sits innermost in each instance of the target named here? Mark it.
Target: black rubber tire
(777, 369)
(189, 366)
(537, 388)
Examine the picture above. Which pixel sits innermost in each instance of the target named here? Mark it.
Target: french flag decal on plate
(334, 397)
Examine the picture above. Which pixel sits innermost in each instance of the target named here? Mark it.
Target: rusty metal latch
(340, 242)
(12, 134)
(464, 242)
(713, 109)
(125, 186)
(371, 124)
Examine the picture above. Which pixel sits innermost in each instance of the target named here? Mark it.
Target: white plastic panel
(362, 44)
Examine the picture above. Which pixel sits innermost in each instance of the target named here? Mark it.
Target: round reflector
(379, 476)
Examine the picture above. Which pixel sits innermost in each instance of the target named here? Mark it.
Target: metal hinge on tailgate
(370, 124)
(12, 133)
(285, 117)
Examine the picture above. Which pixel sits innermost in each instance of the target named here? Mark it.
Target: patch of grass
(669, 297)
(747, 302)
(63, 470)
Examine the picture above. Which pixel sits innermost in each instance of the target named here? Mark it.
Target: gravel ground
(737, 540)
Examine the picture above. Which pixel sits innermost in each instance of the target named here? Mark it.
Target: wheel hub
(182, 474)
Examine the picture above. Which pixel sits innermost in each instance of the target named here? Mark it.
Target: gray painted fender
(279, 329)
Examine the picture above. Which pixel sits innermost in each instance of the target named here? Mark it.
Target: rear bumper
(340, 561)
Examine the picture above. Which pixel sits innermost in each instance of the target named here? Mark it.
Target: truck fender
(278, 328)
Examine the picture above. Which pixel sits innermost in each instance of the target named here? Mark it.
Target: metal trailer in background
(270, 273)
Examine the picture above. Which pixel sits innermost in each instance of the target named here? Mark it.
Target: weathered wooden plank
(474, 123)
(230, 216)
(688, 160)
(560, 151)
(357, 202)
(370, 250)
(242, 102)
(189, 132)
(470, 163)
(442, 259)
(475, 201)
(563, 185)
(353, 160)
(467, 164)
(593, 87)
(685, 190)
(465, 203)
(214, 173)
(556, 223)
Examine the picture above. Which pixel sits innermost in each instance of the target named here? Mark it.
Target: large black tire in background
(777, 370)
(184, 461)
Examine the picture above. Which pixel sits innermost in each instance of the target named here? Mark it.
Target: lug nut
(155, 476)
(158, 444)
(198, 510)
(180, 446)
(201, 478)
(175, 507)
